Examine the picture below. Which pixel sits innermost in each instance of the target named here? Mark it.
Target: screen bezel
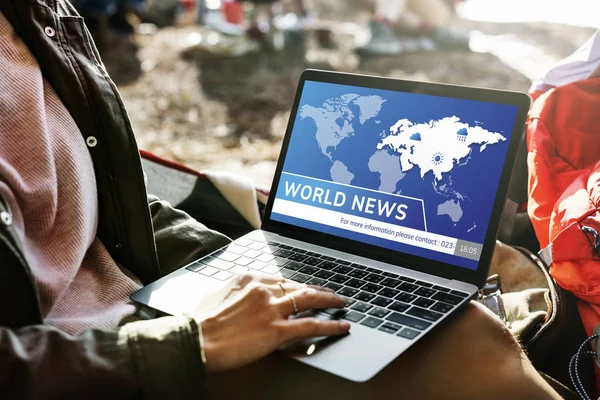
(405, 260)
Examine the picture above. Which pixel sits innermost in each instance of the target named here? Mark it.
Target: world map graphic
(408, 156)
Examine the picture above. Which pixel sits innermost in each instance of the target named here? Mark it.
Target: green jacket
(157, 358)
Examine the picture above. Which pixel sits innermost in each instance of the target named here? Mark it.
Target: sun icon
(437, 158)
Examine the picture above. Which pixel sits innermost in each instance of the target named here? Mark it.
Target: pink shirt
(47, 179)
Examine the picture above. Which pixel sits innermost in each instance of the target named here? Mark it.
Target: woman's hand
(254, 322)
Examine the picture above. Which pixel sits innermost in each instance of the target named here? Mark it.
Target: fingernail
(345, 325)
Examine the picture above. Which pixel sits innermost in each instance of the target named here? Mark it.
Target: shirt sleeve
(156, 359)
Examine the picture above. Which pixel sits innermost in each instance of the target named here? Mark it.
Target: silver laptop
(387, 191)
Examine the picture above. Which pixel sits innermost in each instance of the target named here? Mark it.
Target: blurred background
(209, 83)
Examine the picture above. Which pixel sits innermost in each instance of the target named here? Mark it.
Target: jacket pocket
(79, 38)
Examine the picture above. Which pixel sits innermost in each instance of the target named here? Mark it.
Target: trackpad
(311, 346)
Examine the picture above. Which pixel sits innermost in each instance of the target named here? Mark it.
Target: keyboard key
(271, 243)
(425, 314)
(399, 306)
(423, 302)
(317, 282)
(348, 291)
(298, 257)
(208, 271)
(407, 279)
(337, 278)
(447, 298)
(334, 312)
(256, 265)
(441, 288)
(300, 277)
(406, 297)
(294, 265)
(421, 283)
(408, 287)
(425, 292)
(307, 269)
(353, 316)
(371, 322)
(218, 263)
(243, 261)
(223, 275)
(357, 273)
(379, 312)
(285, 246)
(376, 271)
(312, 261)
(390, 282)
(408, 321)
(390, 274)
(283, 253)
(333, 286)
(328, 258)
(374, 278)
(329, 265)
(387, 292)
(355, 283)
(324, 274)
(271, 269)
(364, 296)
(287, 273)
(349, 301)
(372, 288)
(315, 255)
(343, 262)
(256, 245)
(238, 270)
(195, 267)
(381, 301)
(408, 333)
(362, 307)
(297, 250)
(251, 253)
(358, 266)
(342, 269)
(459, 294)
(244, 242)
(265, 257)
(279, 261)
(233, 248)
(389, 327)
(441, 307)
(227, 256)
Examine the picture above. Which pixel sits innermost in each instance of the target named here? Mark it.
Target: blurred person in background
(426, 22)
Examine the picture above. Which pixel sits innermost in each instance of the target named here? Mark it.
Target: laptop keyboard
(391, 303)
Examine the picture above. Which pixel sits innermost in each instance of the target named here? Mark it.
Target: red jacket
(563, 139)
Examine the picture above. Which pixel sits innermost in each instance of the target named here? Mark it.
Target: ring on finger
(294, 304)
(282, 289)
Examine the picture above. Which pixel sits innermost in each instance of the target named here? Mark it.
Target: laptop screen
(408, 172)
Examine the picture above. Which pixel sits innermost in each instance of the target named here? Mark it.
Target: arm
(180, 239)
(155, 359)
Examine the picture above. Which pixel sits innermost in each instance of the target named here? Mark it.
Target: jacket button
(91, 141)
(50, 32)
(6, 218)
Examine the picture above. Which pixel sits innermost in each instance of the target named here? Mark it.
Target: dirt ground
(231, 114)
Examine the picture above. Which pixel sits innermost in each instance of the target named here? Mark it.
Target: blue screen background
(476, 181)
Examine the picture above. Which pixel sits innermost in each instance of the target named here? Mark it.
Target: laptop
(388, 192)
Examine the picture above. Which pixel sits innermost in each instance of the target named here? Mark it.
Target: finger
(303, 328)
(308, 298)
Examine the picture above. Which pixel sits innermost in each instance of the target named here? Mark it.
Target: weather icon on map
(437, 158)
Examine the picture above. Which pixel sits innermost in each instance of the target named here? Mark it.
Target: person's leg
(472, 356)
